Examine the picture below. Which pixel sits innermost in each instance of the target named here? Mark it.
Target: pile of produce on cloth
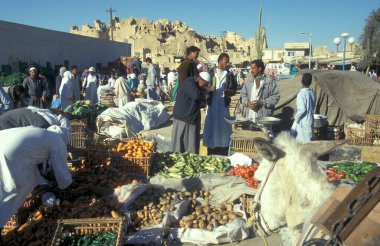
(83, 109)
(247, 173)
(352, 170)
(180, 165)
(151, 208)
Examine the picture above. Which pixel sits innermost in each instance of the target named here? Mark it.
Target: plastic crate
(87, 227)
(243, 145)
(79, 126)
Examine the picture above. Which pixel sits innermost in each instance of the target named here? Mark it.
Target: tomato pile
(247, 173)
(333, 175)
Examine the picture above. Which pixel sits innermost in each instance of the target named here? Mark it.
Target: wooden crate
(358, 136)
(247, 203)
(107, 100)
(335, 132)
(74, 227)
(243, 145)
(79, 126)
(136, 167)
(30, 205)
(372, 124)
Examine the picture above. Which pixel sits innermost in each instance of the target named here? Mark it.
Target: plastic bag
(56, 103)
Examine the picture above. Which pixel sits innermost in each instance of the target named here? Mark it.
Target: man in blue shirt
(304, 119)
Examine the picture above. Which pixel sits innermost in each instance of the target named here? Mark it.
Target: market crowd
(36, 134)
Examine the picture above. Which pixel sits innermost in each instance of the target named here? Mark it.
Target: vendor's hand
(43, 98)
(254, 105)
(211, 89)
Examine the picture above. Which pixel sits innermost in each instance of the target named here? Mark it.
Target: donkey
(296, 187)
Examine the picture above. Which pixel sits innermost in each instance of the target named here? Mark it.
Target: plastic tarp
(343, 96)
(131, 119)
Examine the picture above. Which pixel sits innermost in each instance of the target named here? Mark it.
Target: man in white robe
(26, 148)
(91, 83)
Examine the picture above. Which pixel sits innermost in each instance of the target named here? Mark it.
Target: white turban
(64, 122)
(63, 132)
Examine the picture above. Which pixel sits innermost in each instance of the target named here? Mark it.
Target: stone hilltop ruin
(165, 41)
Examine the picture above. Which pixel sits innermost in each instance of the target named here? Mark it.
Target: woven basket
(243, 145)
(88, 227)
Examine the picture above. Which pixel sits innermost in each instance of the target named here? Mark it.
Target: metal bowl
(268, 120)
(235, 120)
(320, 120)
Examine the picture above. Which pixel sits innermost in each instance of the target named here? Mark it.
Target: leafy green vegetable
(180, 165)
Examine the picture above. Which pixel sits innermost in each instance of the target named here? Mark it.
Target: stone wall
(21, 43)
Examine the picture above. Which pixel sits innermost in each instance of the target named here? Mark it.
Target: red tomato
(341, 175)
(332, 170)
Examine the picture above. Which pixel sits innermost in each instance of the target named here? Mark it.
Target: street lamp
(351, 41)
(344, 36)
(310, 37)
(336, 42)
(134, 42)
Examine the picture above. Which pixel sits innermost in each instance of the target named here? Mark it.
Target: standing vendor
(35, 89)
(217, 132)
(27, 147)
(187, 115)
(259, 94)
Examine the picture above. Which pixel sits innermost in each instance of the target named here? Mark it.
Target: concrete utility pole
(111, 11)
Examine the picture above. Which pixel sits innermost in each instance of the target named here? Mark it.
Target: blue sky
(284, 20)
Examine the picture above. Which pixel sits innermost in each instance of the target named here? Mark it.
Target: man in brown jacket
(188, 68)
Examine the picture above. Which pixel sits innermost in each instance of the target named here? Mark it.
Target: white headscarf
(62, 131)
(62, 70)
(66, 77)
(64, 122)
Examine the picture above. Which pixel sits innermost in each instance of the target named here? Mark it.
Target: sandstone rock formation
(164, 40)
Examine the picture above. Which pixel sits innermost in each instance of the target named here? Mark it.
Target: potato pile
(149, 208)
(209, 217)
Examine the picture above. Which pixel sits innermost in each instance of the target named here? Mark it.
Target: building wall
(21, 43)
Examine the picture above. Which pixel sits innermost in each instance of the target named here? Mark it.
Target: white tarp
(223, 189)
(131, 119)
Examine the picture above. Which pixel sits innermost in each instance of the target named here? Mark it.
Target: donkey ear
(323, 147)
(265, 148)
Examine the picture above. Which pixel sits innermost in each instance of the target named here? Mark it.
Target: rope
(256, 207)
